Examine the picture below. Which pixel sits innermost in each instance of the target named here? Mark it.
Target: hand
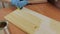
(19, 3)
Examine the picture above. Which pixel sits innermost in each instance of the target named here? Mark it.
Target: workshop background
(4, 5)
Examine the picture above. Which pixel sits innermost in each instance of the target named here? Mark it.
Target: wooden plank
(1, 31)
(32, 22)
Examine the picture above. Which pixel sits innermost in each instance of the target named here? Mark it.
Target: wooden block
(1, 31)
(24, 20)
(33, 22)
(49, 26)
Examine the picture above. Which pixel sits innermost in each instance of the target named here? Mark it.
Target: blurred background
(4, 5)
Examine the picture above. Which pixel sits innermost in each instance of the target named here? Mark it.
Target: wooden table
(45, 9)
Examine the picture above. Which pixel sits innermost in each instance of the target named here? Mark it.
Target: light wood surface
(32, 22)
(2, 31)
(45, 9)
(25, 19)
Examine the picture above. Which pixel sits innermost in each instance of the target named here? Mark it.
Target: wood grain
(31, 21)
(45, 9)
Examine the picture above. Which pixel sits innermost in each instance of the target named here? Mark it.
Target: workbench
(45, 9)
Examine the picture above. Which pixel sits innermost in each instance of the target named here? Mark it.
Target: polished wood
(45, 9)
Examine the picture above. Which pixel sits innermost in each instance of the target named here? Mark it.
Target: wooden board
(33, 22)
(1, 31)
